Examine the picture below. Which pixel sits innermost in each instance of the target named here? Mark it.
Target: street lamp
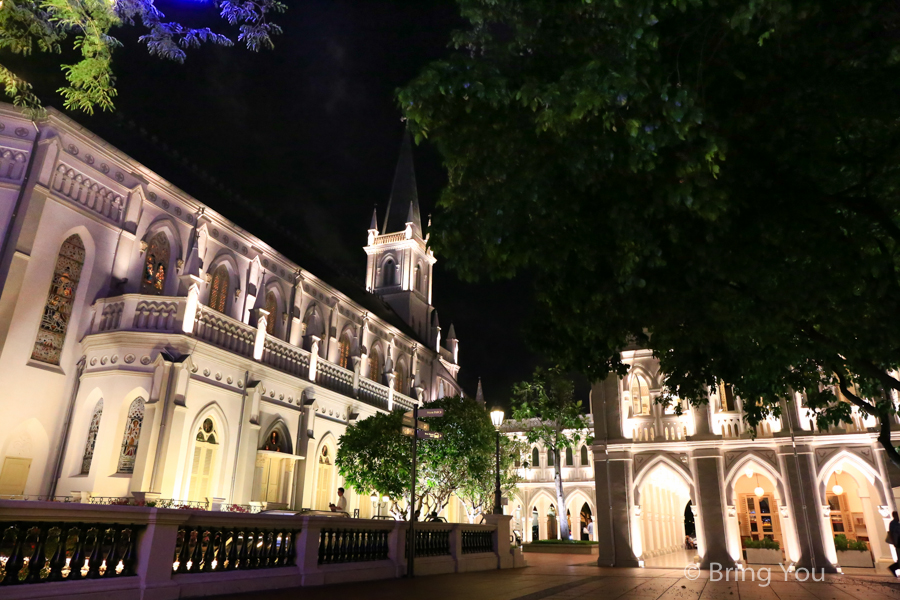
(497, 420)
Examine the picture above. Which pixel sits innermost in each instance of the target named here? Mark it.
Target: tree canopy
(46, 25)
(714, 180)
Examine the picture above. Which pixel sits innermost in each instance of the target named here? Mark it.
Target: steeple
(403, 206)
(479, 394)
(374, 224)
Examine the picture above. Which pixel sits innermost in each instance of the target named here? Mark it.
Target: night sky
(308, 135)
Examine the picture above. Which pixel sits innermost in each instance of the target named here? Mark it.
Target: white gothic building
(150, 346)
(793, 483)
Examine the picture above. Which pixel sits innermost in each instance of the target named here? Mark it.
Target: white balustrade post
(397, 547)
(155, 552)
(314, 357)
(190, 306)
(259, 343)
(390, 378)
(502, 532)
(308, 552)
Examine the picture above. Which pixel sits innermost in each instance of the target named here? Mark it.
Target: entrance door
(758, 518)
(270, 485)
(324, 480)
(14, 476)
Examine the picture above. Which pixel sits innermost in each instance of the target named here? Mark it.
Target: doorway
(14, 476)
(587, 523)
(663, 538)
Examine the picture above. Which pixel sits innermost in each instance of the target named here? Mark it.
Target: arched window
(156, 265)
(218, 294)
(390, 272)
(58, 308)
(272, 309)
(726, 393)
(344, 347)
(640, 396)
(418, 278)
(375, 365)
(551, 460)
(584, 456)
(400, 379)
(206, 442)
(535, 458)
(93, 428)
(132, 436)
(570, 460)
(325, 478)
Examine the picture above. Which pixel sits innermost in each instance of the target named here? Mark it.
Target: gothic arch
(167, 227)
(313, 320)
(376, 359)
(864, 467)
(275, 325)
(347, 346)
(326, 475)
(753, 459)
(389, 278)
(648, 467)
(225, 258)
(280, 427)
(215, 412)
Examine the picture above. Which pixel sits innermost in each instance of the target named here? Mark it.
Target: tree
(477, 492)
(716, 181)
(547, 411)
(45, 25)
(373, 456)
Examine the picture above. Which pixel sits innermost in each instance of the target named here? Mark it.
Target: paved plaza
(566, 577)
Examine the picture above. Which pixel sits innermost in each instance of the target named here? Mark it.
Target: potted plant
(852, 553)
(762, 552)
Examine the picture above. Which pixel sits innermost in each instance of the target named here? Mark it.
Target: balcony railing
(166, 314)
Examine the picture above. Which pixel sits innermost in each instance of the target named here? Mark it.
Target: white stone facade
(792, 483)
(177, 354)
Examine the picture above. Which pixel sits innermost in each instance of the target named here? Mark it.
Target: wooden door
(758, 518)
(14, 476)
(201, 471)
(273, 480)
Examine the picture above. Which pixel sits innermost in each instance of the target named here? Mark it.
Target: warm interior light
(748, 472)
(759, 491)
(497, 416)
(384, 498)
(374, 497)
(837, 489)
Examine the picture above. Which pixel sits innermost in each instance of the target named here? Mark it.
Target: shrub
(763, 544)
(842, 544)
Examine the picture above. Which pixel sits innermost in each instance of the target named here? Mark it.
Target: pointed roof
(374, 224)
(403, 206)
(451, 333)
(479, 394)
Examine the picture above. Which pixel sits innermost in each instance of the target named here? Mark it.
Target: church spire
(403, 206)
(479, 394)
(374, 224)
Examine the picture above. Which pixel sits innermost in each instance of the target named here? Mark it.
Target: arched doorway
(663, 493)
(535, 525)
(587, 523)
(325, 488)
(758, 505)
(274, 468)
(857, 511)
(203, 461)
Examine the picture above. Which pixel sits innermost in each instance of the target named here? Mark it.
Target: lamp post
(497, 420)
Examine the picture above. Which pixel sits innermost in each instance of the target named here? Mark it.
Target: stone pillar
(702, 425)
(259, 342)
(707, 479)
(612, 474)
(313, 357)
(807, 508)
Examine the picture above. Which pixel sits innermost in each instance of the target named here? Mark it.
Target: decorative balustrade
(12, 163)
(136, 312)
(373, 394)
(223, 331)
(205, 549)
(82, 190)
(477, 540)
(93, 550)
(402, 402)
(431, 542)
(390, 238)
(40, 552)
(334, 377)
(352, 545)
(286, 357)
(156, 315)
(157, 503)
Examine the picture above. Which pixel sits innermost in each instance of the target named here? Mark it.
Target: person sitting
(341, 505)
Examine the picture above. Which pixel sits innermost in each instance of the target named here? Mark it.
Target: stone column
(612, 474)
(707, 480)
(807, 508)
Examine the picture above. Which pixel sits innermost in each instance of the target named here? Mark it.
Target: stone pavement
(567, 577)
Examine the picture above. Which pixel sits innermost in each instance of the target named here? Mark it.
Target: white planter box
(854, 558)
(763, 556)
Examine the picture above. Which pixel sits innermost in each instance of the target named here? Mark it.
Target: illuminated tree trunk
(560, 499)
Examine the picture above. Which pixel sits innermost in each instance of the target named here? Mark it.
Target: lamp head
(497, 416)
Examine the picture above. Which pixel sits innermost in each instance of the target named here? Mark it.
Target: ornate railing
(38, 498)
(218, 549)
(39, 552)
(352, 545)
(431, 542)
(402, 402)
(334, 377)
(223, 331)
(156, 315)
(12, 163)
(286, 357)
(373, 394)
(479, 540)
(155, 503)
(82, 190)
(111, 316)
(391, 237)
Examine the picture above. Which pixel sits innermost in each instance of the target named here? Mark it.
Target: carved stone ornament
(732, 511)
(129, 358)
(179, 264)
(145, 360)
(144, 245)
(826, 511)
(208, 278)
(237, 293)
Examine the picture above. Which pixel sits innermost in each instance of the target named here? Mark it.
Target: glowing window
(58, 307)
(640, 396)
(156, 264)
(93, 428)
(132, 436)
(218, 295)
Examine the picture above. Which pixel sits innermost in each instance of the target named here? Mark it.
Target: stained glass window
(272, 309)
(640, 396)
(58, 309)
(400, 379)
(91, 438)
(155, 265)
(375, 366)
(344, 360)
(132, 436)
(218, 295)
